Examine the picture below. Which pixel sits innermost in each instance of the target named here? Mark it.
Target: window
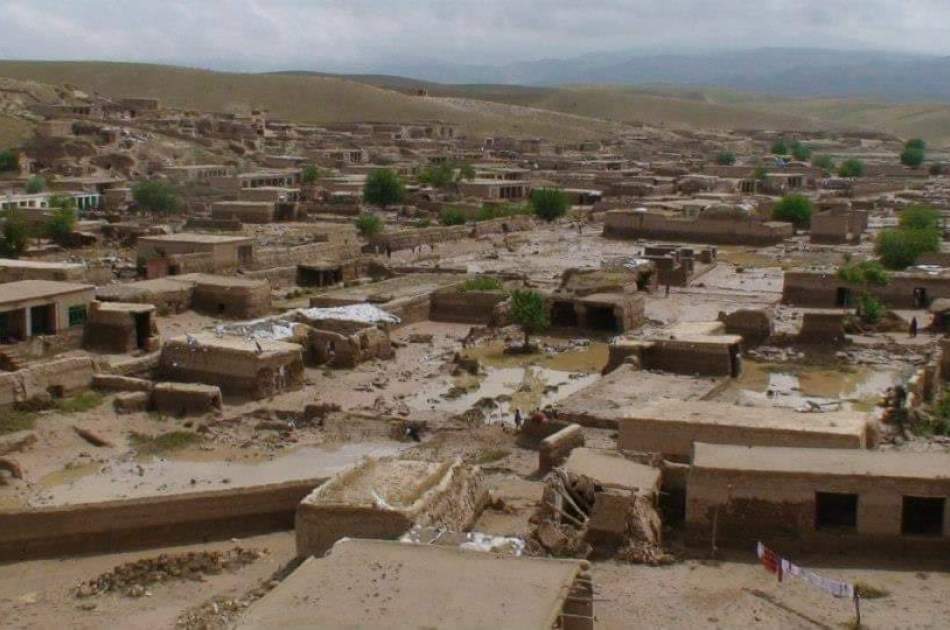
(922, 516)
(836, 511)
(77, 315)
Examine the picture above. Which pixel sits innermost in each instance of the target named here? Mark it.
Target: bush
(870, 309)
(383, 188)
(61, 225)
(920, 218)
(800, 152)
(851, 168)
(527, 310)
(549, 204)
(482, 283)
(796, 209)
(912, 157)
(726, 158)
(451, 216)
(865, 273)
(467, 172)
(16, 234)
(440, 176)
(9, 161)
(492, 211)
(35, 184)
(823, 162)
(423, 222)
(916, 143)
(156, 196)
(760, 173)
(368, 224)
(779, 147)
(901, 248)
(310, 174)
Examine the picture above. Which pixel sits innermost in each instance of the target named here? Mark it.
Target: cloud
(336, 34)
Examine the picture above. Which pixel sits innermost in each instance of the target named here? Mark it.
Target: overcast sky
(355, 34)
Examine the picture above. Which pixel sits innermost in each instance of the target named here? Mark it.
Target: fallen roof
(821, 461)
(351, 313)
(612, 470)
(372, 584)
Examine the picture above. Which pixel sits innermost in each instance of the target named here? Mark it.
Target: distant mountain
(806, 73)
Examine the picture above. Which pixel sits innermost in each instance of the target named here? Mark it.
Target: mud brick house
(346, 336)
(167, 295)
(173, 254)
(824, 289)
(120, 328)
(12, 270)
(492, 189)
(240, 367)
(228, 296)
(837, 225)
(253, 211)
(197, 172)
(820, 499)
(670, 427)
(31, 308)
(693, 348)
(282, 178)
(734, 227)
(600, 312)
(421, 589)
(384, 498)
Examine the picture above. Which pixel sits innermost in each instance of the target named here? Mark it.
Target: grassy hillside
(307, 98)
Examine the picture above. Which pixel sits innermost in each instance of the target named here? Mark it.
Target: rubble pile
(132, 578)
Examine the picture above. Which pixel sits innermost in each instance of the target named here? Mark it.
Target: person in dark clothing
(913, 327)
(518, 419)
(413, 433)
(667, 290)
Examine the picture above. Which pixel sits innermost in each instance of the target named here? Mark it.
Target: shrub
(800, 152)
(368, 224)
(901, 248)
(549, 203)
(16, 234)
(796, 209)
(870, 309)
(492, 211)
(912, 157)
(851, 168)
(920, 218)
(916, 143)
(61, 225)
(439, 176)
(823, 162)
(726, 158)
(156, 196)
(451, 216)
(383, 188)
(760, 173)
(865, 273)
(35, 184)
(467, 172)
(779, 147)
(164, 442)
(9, 161)
(423, 222)
(310, 174)
(482, 283)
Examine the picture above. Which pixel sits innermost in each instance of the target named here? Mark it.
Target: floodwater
(783, 385)
(514, 381)
(194, 472)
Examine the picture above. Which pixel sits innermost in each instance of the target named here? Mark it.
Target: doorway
(922, 516)
(843, 297)
(836, 511)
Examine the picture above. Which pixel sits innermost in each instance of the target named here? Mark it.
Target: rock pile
(133, 578)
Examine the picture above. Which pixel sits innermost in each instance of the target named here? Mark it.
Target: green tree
(35, 184)
(9, 161)
(156, 196)
(549, 203)
(440, 176)
(451, 216)
(15, 233)
(369, 224)
(901, 248)
(920, 218)
(800, 151)
(851, 168)
(912, 157)
(61, 225)
(726, 158)
(310, 174)
(527, 310)
(916, 143)
(383, 188)
(779, 147)
(824, 162)
(796, 209)
(866, 274)
(466, 172)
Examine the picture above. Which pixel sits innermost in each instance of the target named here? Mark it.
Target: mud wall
(820, 290)
(235, 372)
(465, 307)
(66, 376)
(683, 357)
(644, 225)
(150, 522)
(226, 300)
